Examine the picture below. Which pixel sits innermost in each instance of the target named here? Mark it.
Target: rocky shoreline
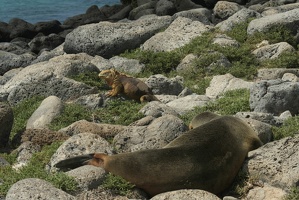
(39, 59)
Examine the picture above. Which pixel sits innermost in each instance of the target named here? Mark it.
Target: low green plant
(293, 194)
(117, 184)
(72, 112)
(118, 111)
(22, 112)
(36, 169)
(290, 127)
(91, 79)
(230, 103)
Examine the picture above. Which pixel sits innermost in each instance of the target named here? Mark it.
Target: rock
(275, 96)
(202, 15)
(9, 61)
(88, 177)
(276, 163)
(180, 32)
(24, 153)
(165, 7)
(50, 108)
(160, 132)
(187, 64)
(190, 194)
(102, 130)
(184, 104)
(287, 19)
(12, 48)
(157, 109)
(225, 9)
(4, 32)
(224, 40)
(160, 84)
(263, 130)
(46, 55)
(142, 10)
(33, 188)
(186, 5)
(39, 137)
(80, 144)
(21, 28)
(91, 101)
(241, 16)
(275, 73)
(45, 42)
(123, 13)
(108, 39)
(223, 83)
(272, 51)
(280, 9)
(266, 193)
(50, 78)
(8, 75)
(290, 77)
(131, 66)
(46, 28)
(3, 163)
(267, 118)
(6, 122)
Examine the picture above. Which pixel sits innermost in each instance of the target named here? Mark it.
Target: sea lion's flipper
(74, 162)
(97, 160)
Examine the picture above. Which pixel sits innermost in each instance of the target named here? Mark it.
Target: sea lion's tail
(96, 159)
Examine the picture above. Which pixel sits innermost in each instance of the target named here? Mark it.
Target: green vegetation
(289, 128)
(22, 112)
(231, 103)
(36, 169)
(293, 195)
(117, 184)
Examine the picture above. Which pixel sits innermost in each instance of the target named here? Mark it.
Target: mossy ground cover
(244, 65)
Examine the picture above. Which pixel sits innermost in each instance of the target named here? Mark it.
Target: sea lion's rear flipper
(77, 161)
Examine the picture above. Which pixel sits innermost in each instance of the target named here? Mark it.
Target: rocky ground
(39, 59)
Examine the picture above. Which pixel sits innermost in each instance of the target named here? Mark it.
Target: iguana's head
(109, 75)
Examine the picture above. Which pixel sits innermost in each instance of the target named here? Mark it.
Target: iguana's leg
(116, 89)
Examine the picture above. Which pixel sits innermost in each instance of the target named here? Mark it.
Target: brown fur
(126, 85)
(201, 119)
(207, 157)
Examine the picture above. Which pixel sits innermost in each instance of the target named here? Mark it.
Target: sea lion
(201, 119)
(207, 157)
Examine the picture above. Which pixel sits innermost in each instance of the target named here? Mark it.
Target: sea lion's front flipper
(74, 162)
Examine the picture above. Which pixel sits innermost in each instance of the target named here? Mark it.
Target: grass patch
(117, 184)
(90, 78)
(120, 112)
(229, 104)
(293, 195)
(71, 113)
(290, 127)
(22, 112)
(36, 169)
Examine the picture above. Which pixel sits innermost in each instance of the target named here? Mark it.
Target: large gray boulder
(156, 135)
(275, 73)
(33, 188)
(10, 61)
(276, 163)
(272, 51)
(192, 194)
(288, 20)
(6, 122)
(50, 108)
(275, 96)
(237, 18)
(225, 9)
(180, 32)
(50, 78)
(81, 144)
(107, 39)
(199, 14)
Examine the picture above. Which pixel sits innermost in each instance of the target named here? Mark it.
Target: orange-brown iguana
(129, 86)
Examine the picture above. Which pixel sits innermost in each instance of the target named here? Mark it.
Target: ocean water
(45, 10)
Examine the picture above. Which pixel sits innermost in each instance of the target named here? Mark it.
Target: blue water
(45, 10)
